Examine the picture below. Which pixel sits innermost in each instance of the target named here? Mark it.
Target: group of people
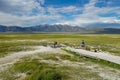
(82, 44)
(84, 47)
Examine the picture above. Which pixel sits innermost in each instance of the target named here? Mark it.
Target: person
(95, 50)
(55, 43)
(82, 44)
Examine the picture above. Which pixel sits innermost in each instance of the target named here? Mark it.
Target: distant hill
(57, 28)
(103, 25)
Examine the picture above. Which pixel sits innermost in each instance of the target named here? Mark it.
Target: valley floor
(77, 68)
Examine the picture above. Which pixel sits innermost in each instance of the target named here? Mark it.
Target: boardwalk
(99, 55)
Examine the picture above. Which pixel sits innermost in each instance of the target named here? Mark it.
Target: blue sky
(70, 12)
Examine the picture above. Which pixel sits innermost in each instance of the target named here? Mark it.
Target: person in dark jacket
(83, 44)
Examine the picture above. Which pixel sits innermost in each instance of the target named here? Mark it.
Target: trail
(9, 60)
(5, 62)
(98, 55)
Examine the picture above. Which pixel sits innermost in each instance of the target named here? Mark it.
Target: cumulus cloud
(10, 20)
(28, 12)
(18, 6)
(91, 14)
(21, 12)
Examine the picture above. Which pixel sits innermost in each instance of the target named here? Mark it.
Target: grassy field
(15, 42)
(50, 66)
(61, 65)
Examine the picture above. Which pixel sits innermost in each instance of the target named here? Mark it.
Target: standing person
(83, 44)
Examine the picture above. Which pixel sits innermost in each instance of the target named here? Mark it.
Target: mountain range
(58, 28)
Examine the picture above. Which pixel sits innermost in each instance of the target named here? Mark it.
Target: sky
(67, 12)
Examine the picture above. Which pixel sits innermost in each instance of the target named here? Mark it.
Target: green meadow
(61, 65)
(15, 42)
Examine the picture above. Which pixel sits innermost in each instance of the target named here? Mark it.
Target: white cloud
(67, 9)
(9, 16)
(21, 12)
(11, 9)
(8, 19)
(19, 6)
(91, 15)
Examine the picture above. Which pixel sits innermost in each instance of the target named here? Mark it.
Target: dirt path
(10, 59)
(99, 55)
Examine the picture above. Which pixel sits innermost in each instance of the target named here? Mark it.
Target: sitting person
(55, 44)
